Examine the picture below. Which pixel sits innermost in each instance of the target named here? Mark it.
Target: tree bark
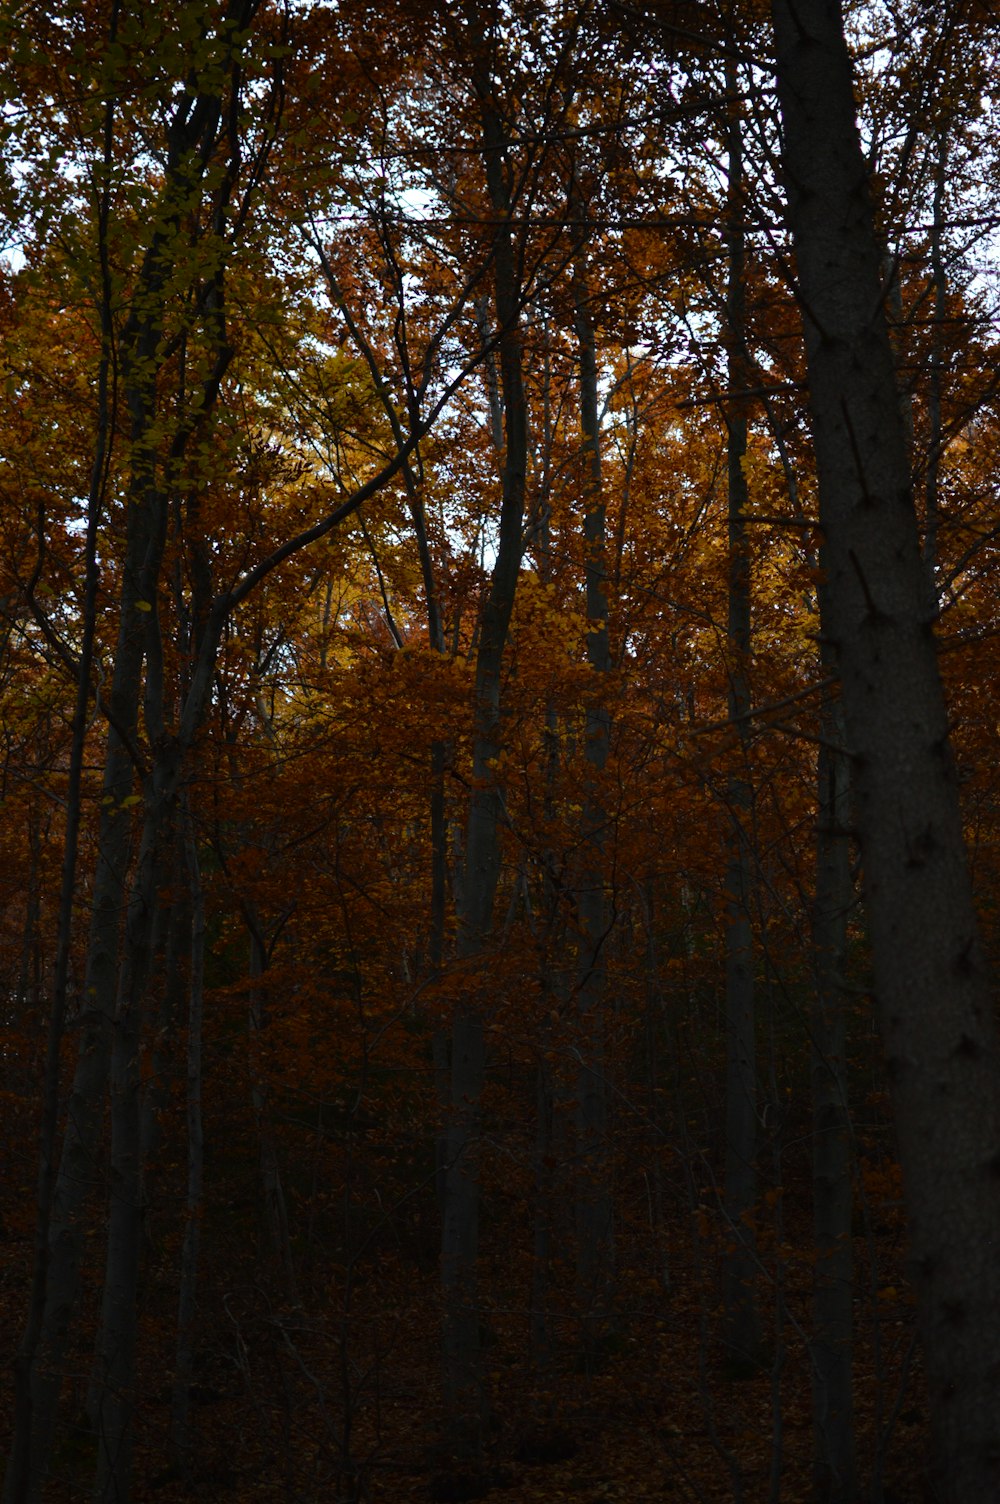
(115, 1370)
(190, 134)
(464, 1392)
(30, 1442)
(275, 1207)
(834, 1471)
(939, 281)
(933, 990)
(594, 1234)
(78, 1174)
(187, 1298)
(741, 1319)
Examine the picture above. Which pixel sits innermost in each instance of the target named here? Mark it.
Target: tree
(481, 856)
(742, 1318)
(434, 831)
(163, 315)
(931, 976)
(189, 145)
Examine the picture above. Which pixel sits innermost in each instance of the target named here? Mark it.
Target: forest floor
(320, 1404)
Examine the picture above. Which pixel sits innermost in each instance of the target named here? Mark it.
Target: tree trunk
(594, 1238)
(115, 1371)
(32, 1422)
(187, 1300)
(28, 995)
(939, 280)
(933, 990)
(833, 1406)
(190, 133)
(172, 947)
(464, 1394)
(272, 1187)
(79, 1173)
(741, 1319)
(539, 1332)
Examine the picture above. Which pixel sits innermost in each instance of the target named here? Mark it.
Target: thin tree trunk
(35, 1392)
(741, 1316)
(28, 994)
(465, 1399)
(187, 1301)
(834, 1471)
(933, 988)
(540, 1335)
(193, 127)
(935, 424)
(439, 834)
(550, 1094)
(272, 1187)
(594, 1236)
(549, 936)
(655, 1014)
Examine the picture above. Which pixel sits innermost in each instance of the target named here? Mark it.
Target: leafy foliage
(291, 293)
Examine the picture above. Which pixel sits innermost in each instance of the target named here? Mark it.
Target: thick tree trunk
(79, 1173)
(114, 1377)
(115, 1371)
(171, 948)
(935, 1001)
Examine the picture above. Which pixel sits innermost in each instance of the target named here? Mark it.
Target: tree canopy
(498, 616)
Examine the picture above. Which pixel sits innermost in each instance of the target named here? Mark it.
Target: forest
(500, 728)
